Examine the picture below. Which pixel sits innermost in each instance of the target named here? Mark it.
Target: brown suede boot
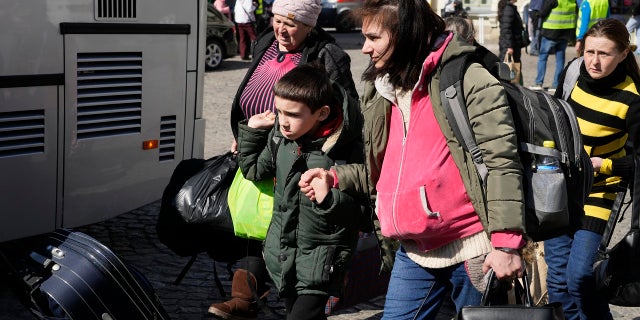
(242, 305)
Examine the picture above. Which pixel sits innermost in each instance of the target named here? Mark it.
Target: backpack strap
(571, 77)
(454, 104)
(570, 80)
(611, 223)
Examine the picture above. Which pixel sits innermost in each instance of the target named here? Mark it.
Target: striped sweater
(602, 111)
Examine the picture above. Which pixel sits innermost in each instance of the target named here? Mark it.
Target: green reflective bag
(251, 206)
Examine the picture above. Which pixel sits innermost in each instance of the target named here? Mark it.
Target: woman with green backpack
(426, 191)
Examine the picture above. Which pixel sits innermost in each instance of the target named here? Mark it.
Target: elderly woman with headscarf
(294, 39)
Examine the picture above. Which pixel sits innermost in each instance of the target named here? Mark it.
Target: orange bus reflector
(150, 144)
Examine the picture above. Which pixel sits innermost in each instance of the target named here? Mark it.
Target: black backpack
(554, 202)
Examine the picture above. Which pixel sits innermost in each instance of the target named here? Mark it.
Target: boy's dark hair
(308, 84)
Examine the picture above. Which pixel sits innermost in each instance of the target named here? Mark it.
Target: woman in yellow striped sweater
(607, 104)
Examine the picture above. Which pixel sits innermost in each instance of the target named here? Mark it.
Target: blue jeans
(570, 278)
(416, 292)
(546, 46)
(535, 43)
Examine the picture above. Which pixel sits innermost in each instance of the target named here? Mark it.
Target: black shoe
(246, 58)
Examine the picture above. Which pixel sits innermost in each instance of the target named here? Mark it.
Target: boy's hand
(320, 188)
(313, 181)
(234, 147)
(263, 120)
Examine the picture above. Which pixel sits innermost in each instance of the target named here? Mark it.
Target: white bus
(99, 101)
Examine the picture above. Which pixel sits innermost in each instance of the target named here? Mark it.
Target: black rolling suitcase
(71, 275)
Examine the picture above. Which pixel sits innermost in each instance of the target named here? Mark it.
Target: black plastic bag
(203, 197)
(187, 239)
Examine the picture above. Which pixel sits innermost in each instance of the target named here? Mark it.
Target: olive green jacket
(502, 206)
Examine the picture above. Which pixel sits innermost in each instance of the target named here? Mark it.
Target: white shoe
(537, 87)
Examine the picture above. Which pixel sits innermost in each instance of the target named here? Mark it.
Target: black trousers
(254, 263)
(306, 307)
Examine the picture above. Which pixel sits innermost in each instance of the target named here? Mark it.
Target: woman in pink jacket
(427, 194)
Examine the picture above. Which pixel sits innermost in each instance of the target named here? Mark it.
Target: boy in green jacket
(309, 244)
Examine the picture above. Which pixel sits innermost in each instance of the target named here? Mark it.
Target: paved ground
(132, 235)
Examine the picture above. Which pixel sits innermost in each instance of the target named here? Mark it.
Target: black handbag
(524, 311)
(616, 270)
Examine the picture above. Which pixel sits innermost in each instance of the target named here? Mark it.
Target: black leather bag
(616, 271)
(524, 311)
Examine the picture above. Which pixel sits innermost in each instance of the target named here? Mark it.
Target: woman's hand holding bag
(525, 311)
(514, 67)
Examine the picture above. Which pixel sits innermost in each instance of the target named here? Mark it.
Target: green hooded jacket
(308, 245)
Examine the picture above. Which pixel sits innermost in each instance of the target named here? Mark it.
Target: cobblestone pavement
(132, 235)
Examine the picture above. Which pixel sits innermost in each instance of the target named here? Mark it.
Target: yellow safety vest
(260, 8)
(561, 17)
(599, 10)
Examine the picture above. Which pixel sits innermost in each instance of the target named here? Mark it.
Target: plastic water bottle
(547, 163)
